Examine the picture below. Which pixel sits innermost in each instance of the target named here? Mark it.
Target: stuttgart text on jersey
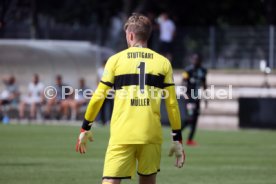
(144, 55)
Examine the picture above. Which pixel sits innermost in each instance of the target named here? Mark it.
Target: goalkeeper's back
(138, 76)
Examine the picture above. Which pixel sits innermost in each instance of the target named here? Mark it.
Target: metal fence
(230, 47)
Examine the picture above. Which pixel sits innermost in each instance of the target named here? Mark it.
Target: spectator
(167, 32)
(75, 103)
(81, 99)
(153, 39)
(34, 98)
(10, 95)
(116, 30)
(57, 99)
(194, 77)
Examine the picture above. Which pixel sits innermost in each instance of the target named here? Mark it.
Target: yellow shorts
(120, 160)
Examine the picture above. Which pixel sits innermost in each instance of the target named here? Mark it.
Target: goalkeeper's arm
(95, 104)
(175, 122)
(92, 110)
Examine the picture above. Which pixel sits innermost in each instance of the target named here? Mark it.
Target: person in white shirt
(33, 99)
(167, 31)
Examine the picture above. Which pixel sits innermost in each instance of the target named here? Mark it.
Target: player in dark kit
(194, 77)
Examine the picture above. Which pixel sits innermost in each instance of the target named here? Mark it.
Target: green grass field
(40, 154)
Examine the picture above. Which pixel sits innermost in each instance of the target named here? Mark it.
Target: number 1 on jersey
(142, 76)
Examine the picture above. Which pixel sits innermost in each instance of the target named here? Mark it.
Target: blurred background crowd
(39, 102)
(35, 98)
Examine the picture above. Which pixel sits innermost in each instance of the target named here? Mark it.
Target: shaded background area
(71, 59)
(229, 34)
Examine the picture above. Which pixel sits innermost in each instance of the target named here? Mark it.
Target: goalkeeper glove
(177, 148)
(85, 135)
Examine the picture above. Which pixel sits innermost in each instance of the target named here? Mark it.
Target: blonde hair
(140, 25)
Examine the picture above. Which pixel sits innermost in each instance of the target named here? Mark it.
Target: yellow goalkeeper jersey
(139, 77)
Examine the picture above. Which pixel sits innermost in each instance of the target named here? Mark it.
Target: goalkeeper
(138, 76)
